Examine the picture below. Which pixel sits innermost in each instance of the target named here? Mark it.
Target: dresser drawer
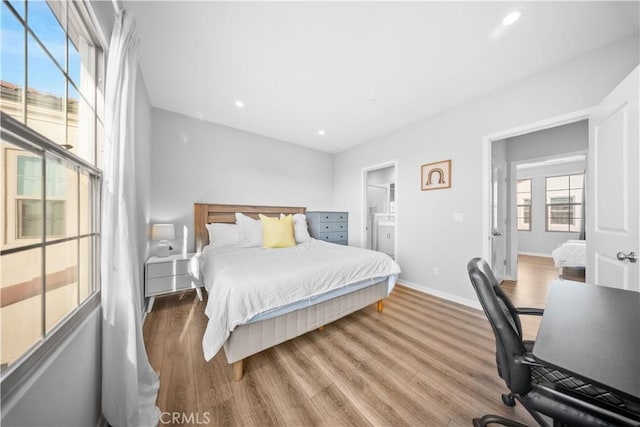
(340, 236)
(334, 236)
(340, 226)
(325, 217)
(326, 227)
(339, 217)
(163, 285)
(170, 268)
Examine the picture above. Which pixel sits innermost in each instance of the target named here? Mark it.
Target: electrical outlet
(436, 271)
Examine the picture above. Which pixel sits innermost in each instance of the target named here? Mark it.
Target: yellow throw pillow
(277, 233)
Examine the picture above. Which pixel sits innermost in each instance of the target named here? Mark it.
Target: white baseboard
(441, 294)
(535, 254)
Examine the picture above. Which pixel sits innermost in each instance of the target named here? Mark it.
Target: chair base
(496, 419)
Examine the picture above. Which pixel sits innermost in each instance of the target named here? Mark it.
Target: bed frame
(251, 338)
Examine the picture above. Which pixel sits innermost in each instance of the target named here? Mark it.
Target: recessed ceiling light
(239, 104)
(511, 18)
(321, 132)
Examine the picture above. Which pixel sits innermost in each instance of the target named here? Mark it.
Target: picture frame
(435, 176)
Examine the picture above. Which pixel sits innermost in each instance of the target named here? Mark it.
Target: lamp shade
(163, 232)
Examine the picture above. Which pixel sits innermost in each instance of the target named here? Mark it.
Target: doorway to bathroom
(380, 208)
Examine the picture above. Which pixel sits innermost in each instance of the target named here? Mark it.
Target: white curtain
(129, 385)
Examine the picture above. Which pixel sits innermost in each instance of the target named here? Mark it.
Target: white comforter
(243, 282)
(572, 253)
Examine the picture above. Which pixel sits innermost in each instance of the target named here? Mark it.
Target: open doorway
(541, 204)
(379, 208)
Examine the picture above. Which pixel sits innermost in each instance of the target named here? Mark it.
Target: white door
(613, 189)
(498, 218)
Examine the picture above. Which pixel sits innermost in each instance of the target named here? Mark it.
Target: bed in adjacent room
(571, 256)
(259, 297)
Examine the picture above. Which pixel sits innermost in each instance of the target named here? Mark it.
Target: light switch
(458, 217)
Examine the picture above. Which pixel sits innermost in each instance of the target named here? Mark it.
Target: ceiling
(353, 69)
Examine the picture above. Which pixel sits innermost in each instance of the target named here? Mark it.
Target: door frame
(363, 201)
(487, 140)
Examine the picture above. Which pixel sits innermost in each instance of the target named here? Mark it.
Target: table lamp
(163, 233)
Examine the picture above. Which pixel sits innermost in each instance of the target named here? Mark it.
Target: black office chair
(543, 391)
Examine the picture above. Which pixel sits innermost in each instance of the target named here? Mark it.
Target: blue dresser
(329, 226)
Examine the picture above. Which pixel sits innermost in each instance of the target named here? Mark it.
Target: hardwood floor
(423, 361)
(535, 274)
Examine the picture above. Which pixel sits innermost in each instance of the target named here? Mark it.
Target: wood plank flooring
(535, 274)
(423, 361)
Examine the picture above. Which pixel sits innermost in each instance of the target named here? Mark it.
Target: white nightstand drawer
(163, 285)
(171, 268)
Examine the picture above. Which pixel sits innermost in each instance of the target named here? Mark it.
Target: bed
(571, 256)
(246, 315)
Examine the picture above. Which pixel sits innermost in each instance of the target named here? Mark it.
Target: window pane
(29, 219)
(18, 5)
(85, 204)
(576, 181)
(99, 144)
(576, 225)
(524, 198)
(74, 63)
(49, 27)
(45, 96)
(82, 57)
(100, 87)
(80, 126)
(12, 57)
(20, 303)
(62, 199)
(557, 183)
(87, 258)
(73, 109)
(576, 196)
(523, 224)
(558, 196)
(29, 175)
(61, 281)
(20, 180)
(524, 186)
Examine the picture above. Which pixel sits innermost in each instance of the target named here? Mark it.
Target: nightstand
(173, 273)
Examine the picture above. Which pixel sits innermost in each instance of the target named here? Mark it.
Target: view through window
(524, 204)
(564, 202)
(52, 106)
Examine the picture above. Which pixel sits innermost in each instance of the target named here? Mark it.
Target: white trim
(441, 294)
(548, 123)
(363, 201)
(535, 254)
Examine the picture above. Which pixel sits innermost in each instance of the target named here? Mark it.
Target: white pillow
(300, 228)
(221, 235)
(250, 231)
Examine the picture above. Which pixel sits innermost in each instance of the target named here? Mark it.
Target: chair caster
(508, 400)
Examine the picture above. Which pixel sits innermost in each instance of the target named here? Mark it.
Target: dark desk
(593, 332)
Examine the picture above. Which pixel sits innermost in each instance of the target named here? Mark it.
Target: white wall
(427, 237)
(198, 161)
(538, 241)
(562, 140)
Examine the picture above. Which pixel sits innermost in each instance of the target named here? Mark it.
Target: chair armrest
(532, 311)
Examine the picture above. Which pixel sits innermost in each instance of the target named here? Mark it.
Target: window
(523, 195)
(564, 202)
(51, 112)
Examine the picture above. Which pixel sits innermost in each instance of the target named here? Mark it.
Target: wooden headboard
(206, 213)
